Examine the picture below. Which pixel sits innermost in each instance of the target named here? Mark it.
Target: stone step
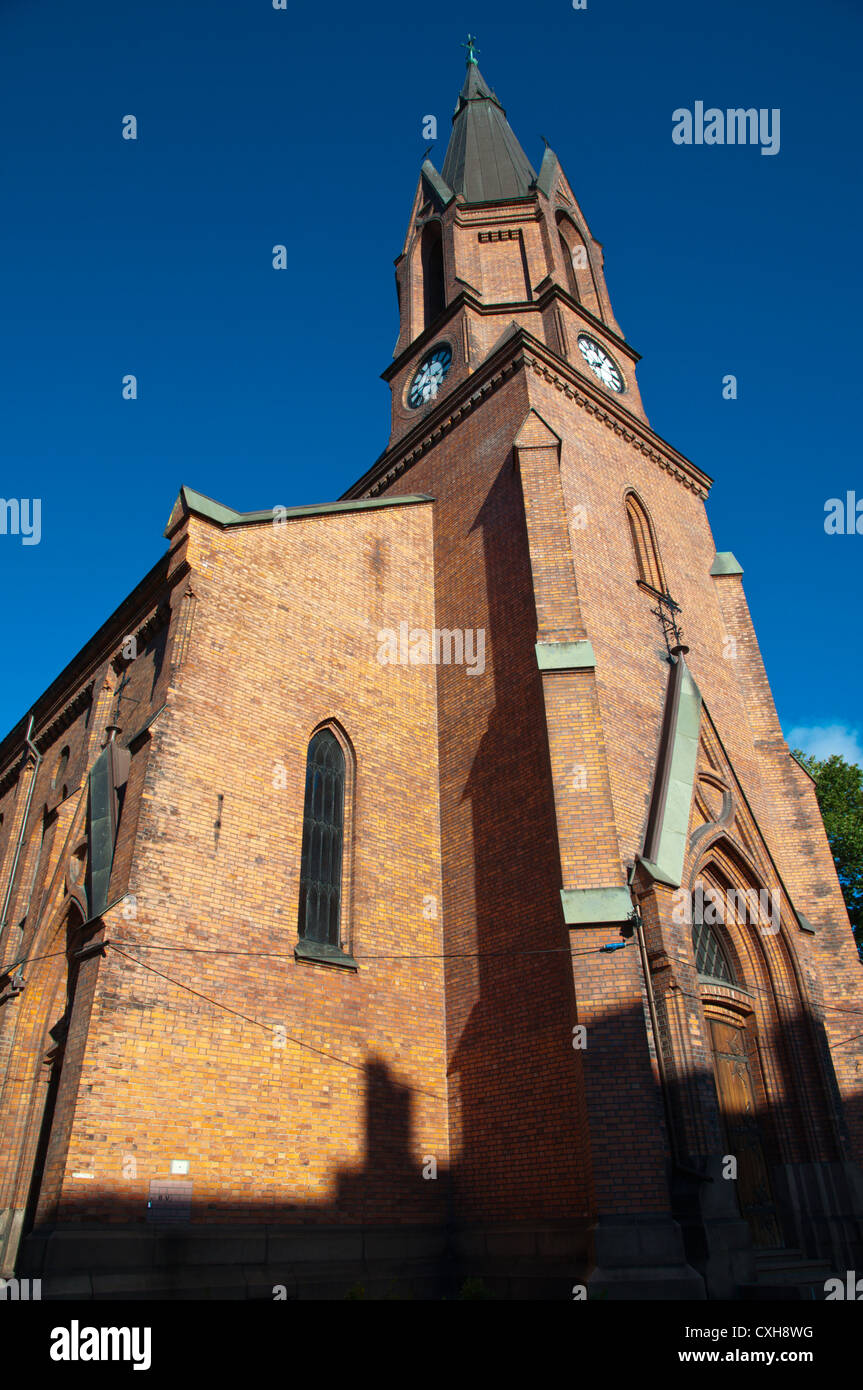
(786, 1275)
(258, 1282)
(781, 1292)
(776, 1264)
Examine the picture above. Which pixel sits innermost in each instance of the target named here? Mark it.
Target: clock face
(600, 363)
(429, 376)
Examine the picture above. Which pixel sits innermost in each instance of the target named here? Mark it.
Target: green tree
(839, 788)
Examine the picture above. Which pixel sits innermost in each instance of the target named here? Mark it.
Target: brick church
(417, 888)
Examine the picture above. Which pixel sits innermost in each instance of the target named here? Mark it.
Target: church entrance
(737, 1110)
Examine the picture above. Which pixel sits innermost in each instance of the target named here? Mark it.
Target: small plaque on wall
(170, 1201)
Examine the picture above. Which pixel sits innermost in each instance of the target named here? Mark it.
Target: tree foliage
(839, 788)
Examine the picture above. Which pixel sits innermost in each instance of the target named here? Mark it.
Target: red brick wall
(514, 1076)
(598, 466)
(73, 714)
(284, 636)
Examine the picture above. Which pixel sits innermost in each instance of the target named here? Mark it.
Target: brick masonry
(307, 1095)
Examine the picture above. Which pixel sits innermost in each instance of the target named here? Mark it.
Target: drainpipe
(654, 1023)
(664, 1086)
(23, 832)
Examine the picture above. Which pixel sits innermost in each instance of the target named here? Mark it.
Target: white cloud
(822, 740)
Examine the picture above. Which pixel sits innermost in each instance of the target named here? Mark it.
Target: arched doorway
(733, 1038)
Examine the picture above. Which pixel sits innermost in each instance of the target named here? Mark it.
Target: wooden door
(737, 1108)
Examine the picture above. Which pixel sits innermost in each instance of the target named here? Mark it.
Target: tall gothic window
(434, 293)
(579, 273)
(323, 832)
(572, 246)
(710, 958)
(60, 772)
(647, 559)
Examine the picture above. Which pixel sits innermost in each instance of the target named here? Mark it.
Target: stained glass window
(323, 829)
(710, 958)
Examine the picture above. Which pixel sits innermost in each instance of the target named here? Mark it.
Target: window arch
(60, 770)
(323, 837)
(650, 570)
(431, 258)
(570, 244)
(711, 958)
(579, 272)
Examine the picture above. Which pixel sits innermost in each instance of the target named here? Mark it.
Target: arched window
(323, 832)
(571, 246)
(647, 559)
(431, 256)
(710, 957)
(579, 273)
(60, 771)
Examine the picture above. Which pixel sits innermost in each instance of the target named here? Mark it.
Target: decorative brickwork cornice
(47, 736)
(477, 214)
(519, 351)
(12, 774)
(466, 403)
(159, 618)
(80, 674)
(67, 716)
(673, 463)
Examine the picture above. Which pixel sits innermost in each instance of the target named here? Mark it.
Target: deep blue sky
(259, 126)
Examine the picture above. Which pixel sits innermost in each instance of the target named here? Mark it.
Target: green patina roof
(725, 563)
(589, 906)
(565, 656)
(436, 183)
(191, 501)
(547, 170)
(671, 800)
(484, 160)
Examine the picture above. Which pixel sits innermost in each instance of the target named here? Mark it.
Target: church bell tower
(620, 751)
(491, 245)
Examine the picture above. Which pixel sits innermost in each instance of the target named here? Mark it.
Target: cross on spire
(472, 50)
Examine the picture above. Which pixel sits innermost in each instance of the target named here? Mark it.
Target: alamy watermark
(706, 905)
(20, 1290)
(21, 518)
(444, 646)
(736, 126)
(77, 1343)
(844, 515)
(851, 1289)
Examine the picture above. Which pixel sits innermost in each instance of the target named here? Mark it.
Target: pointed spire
(484, 160)
(547, 170)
